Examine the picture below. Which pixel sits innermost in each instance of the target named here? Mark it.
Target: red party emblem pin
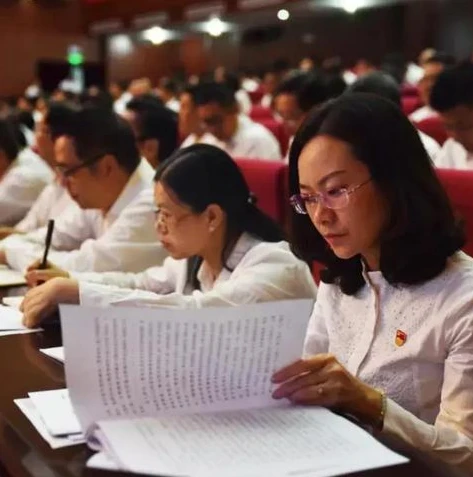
(401, 338)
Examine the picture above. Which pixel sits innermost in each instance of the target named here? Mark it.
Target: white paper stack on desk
(11, 322)
(51, 413)
(188, 392)
(11, 278)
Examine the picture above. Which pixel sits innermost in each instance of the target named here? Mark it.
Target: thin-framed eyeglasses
(335, 199)
(168, 220)
(69, 171)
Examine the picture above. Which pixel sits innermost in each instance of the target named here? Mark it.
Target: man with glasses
(54, 199)
(113, 229)
(452, 97)
(238, 135)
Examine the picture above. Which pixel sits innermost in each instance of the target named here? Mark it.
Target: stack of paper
(13, 301)
(55, 353)
(52, 415)
(188, 392)
(11, 278)
(11, 322)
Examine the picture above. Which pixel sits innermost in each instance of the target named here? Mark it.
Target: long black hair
(422, 230)
(202, 175)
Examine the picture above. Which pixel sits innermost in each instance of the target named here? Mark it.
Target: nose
(320, 214)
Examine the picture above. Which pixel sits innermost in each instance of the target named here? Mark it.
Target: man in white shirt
(296, 96)
(384, 85)
(239, 136)
(155, 128)
(432, 69)
(452, 97)
(54, 198)
(22, 178)
(118, 91)
(113, 228)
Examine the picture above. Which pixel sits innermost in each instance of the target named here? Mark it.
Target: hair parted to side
(422, 230)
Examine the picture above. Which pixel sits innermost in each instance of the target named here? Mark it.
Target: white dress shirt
(430, 144)
(21, 185)
(174, 105)
(267, 100)
(251, 141)
(87, 240)
(454, 156)
(259, 271)
(244, 101)
(428, 375)
(425, 112)
(119, 106)
(51, 203)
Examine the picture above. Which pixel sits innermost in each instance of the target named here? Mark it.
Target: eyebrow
(324, 180)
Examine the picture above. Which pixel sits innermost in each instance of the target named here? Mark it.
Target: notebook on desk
(11, 278)
(188, 392)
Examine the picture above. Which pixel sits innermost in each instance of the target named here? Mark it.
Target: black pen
(49, 235)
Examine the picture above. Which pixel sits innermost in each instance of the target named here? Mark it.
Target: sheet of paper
(124, 362)
(55, 353)
(56, 411)
(29, 410)
(19, 332)
(11, 278)
(102, 461)
(11, 319)
(248, 443)
(13, 301)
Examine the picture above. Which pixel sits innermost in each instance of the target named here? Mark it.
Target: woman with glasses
(223, 250)
(390, 341)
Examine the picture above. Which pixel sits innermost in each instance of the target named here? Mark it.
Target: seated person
(432, 69)
(54, 198)
(223, 250)
(452, 97)
(390, 340)
(155, 129)
(384, 85)
(236, 134)
(296, 96)
(168, 92)
(112, 229)
(22, 178)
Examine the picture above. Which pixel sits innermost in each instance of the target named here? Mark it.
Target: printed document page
(126, 362)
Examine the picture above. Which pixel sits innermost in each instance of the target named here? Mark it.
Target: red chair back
(459, 187)
(409, 90)
(265, 180)
(256, 96)
(280, 133)
(260, 112)
(410, 104)
(433, 127)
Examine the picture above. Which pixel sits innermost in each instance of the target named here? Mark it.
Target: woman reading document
(391, 337)
(223, 250)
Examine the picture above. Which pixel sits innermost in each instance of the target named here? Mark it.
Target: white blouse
(428, 373)
(259, 272)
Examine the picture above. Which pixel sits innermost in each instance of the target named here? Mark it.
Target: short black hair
(380, 84)
(310, 89)
(156, 122)
(422, 230)
(170, 85)
(16, 126)
(25, 118)
(213, 92)
(59, 118)
(232, 80)
(453, 87)
(8, 142)
(96, 131)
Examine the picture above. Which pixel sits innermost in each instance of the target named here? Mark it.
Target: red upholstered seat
(433, 127)
(265, 180)
(277, 128)
(256, 96)
(459, 187)
(410, 104)
(409, 90)
(260, 112)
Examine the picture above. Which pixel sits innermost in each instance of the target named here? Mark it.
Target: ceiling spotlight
(156, 35)
(351, 6)
(283, 15)
(215, 27)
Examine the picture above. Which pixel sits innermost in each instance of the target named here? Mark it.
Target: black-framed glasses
(69, 171)
(335, 199)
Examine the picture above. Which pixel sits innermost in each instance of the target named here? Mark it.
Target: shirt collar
(141, 179)
(245, 243)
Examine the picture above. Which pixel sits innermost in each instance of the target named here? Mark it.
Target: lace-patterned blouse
(416, 344)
